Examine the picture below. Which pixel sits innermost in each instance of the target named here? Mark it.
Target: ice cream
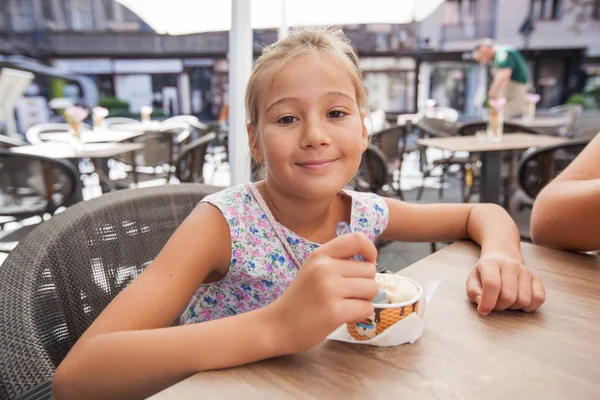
(394, 289)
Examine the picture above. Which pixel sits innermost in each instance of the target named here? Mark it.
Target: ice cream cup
(407, 298)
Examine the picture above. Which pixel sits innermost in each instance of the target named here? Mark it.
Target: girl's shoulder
(239, 194)
(236, 204)
(370, 213)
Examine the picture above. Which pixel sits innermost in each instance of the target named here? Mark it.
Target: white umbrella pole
(284, 29)
(240, 67)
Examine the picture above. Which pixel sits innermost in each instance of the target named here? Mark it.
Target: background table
(97, 152)
(551, 354)
(92, 150)
(98, 135)
(491, 155)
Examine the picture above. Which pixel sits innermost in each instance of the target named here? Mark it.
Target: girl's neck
(314, 220)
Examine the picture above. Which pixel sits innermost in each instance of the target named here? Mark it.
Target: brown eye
(288, 119)
(336, 114)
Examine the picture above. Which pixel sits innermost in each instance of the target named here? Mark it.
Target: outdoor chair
(393, 143)
(190, 162)
(542, 165)
(65, 272)
(436, 128)
(372, 173)
(33, 186)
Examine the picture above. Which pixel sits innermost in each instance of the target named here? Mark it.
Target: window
(460, 12)
(545, 9)
(48, 10)
(109, 9)
(21, 16)
(82, 18)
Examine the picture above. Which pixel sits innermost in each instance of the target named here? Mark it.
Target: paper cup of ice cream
(398, 298)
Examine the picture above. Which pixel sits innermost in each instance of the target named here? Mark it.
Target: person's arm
(566, 213)
(501, 78)
(499, 280)
(130, 351)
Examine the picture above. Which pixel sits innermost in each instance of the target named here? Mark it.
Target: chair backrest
(34, 133)
(34, 185)
(190, 162)
(436, 127)
(471, 128)
(540, 166)
(188, 119)
(179, 131)
(66, 271)
(108, 122)
(388, 141)
(573, 112)
(445, 113)
(372, 173)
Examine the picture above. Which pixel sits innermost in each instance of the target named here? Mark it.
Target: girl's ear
(254, 144)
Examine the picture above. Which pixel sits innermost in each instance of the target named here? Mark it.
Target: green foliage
(586, 100)
(113, 103)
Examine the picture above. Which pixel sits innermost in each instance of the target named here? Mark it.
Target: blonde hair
(331, 41)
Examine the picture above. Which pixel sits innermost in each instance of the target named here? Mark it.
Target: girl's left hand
(499, 282)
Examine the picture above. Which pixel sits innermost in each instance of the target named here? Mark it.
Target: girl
(256, 270)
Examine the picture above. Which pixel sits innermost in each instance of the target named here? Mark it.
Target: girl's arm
(499, 280)
(566, 214)
(130, 351)
(488, 225)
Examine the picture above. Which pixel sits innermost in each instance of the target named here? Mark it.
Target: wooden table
(491, 155)
(551, 354)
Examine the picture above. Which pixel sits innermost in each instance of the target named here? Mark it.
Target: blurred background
(175, 60)
(98, 52)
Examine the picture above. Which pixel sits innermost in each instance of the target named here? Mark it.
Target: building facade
(122, 57)
(114, 52)
(563, 50)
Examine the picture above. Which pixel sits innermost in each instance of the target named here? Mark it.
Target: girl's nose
(314, 135)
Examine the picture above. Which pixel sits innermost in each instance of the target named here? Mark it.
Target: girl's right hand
(329, 290)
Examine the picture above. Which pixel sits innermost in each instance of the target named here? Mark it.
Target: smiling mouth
(317, 164)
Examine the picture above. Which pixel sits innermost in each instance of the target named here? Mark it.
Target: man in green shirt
(510, 71)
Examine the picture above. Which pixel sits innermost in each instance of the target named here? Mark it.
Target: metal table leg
(490, 177)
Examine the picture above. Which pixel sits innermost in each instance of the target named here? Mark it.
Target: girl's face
(310, 134)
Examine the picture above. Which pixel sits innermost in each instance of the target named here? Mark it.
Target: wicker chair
(471, 128)
(372, 173)
(436, 127)
(33, 186)
(59, 279)
(542, 165)
(190, 162)
(392, 143)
